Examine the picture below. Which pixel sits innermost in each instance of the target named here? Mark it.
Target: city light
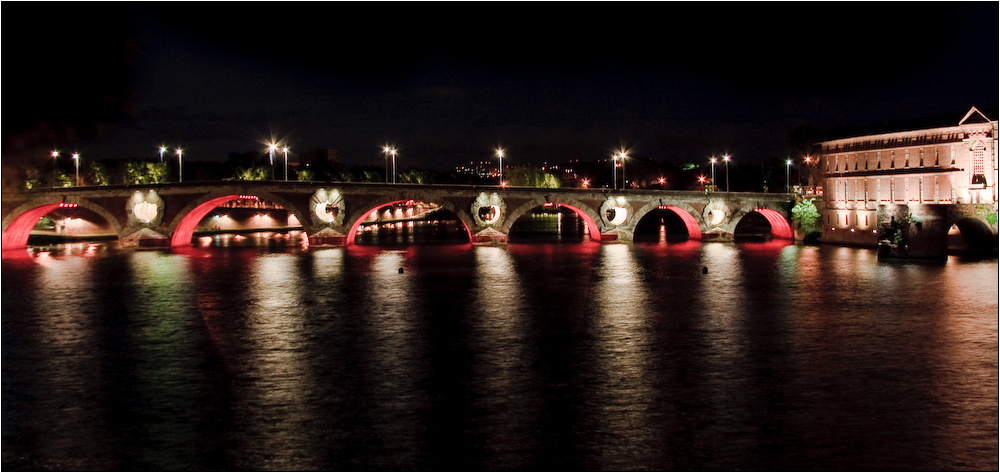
(180, 165)
(500, 155)
(285, 151)
(55, 155)
(76, 162)
(163, 149)
(713, 171)
(726, 159)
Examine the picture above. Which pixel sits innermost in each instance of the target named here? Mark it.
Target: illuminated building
(944, 165)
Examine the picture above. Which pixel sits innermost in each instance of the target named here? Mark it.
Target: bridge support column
(327, 237)
(489, 236)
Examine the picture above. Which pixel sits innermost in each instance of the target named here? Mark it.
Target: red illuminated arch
(595, 231)
(185, 229)
(779, 226)
(352, 233)
(16, 234)
(694, 231)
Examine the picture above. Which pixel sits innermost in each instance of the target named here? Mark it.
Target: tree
(805, 215)
(529, 176)
(98, 174)
(145, 172)
(253, 173)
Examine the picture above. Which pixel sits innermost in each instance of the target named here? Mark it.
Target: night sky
(447, 83)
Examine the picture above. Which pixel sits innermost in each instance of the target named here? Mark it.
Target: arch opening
(57, 223)
(762, 225)
(667, 223)
(972, 237)
(552, 222)
(239, 220)
(406, 222)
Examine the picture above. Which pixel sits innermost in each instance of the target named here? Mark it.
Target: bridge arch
(971, 234)
(588, 215)
(18, 224)
(188, 218)
(778, 223)
(357, 219)
(684, 211)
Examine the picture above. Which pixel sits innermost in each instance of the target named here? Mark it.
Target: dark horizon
(678, 83)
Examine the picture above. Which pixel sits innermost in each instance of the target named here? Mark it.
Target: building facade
(951, 164)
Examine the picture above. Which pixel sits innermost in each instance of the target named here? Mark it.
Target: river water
(532, 356)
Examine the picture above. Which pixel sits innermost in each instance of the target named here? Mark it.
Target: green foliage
(145, 172)
(527, 176)
(416, 176)
(97, 174)
(253, 173)
(32, 179)
(805, 215)
(63, 179)
(305, 175)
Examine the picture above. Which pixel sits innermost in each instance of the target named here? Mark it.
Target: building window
(978, 174)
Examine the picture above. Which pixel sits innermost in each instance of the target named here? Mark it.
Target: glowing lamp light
(617, 215)
(145, 211)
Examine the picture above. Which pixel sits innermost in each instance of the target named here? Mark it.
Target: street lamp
(55, 154)
(180, 165)
(393, 153)
(788, 165)
(76, 161)
(726, 159)
(162, 150)
(614, 174)
(385, 157)
(500, 155)
(285, 150)
(270, 155)
(713, 171)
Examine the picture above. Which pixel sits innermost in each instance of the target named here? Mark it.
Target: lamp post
(180, 165)
(614, 172)
(500, 155)
(76, 162)
(285, 151)
(788, 166)
(385, 157)
(726, 159)
(713, 171)
(393, 153)
(55, 154)
(270, 156)
(162, 150)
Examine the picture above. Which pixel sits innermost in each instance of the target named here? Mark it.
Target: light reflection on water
(539, 356)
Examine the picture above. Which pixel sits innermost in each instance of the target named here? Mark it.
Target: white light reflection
(277, 371)
(498, 326)
(624, 351)
(395, 342)
(65, 333)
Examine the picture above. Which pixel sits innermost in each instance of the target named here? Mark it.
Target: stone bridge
(331, 212)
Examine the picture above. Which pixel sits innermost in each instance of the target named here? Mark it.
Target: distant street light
(270, 154)
(500, 155)
(788, 165)
(285, 150)
(726, 159)
(76, 161)
(620, 156)
(385, 157)
(713, 171)
(180, 165)
(393, 153)
(55, 154)
(162, 150)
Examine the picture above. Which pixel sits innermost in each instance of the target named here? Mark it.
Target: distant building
(319, 155)
(949, 164)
